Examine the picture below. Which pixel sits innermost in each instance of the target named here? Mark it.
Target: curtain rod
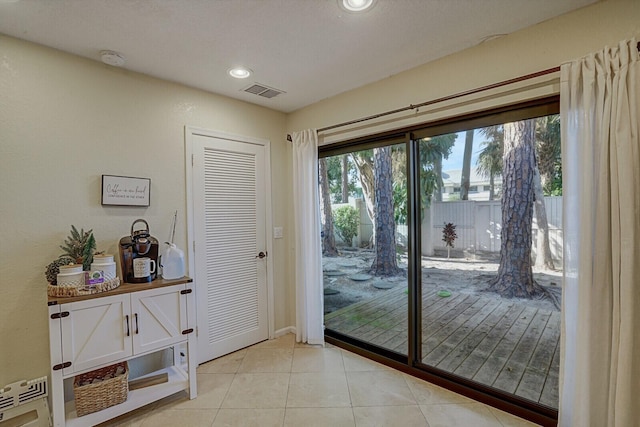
(444, 98)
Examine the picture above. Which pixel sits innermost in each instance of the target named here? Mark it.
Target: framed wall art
(126, 190)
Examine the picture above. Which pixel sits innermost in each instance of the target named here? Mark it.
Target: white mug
(143, 267)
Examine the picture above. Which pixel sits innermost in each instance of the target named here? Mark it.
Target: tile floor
(282, 383)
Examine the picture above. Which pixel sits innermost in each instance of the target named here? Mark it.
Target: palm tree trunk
(492, 187)
(328, 238)
(466, 166)
(437, 168)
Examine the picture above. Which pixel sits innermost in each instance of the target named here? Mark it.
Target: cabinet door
(96, 332)
(159, 317)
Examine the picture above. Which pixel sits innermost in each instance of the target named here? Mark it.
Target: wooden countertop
(124, 288)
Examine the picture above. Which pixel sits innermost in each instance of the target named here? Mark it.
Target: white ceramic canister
(105, 264)
(75, 280)
(71, 269)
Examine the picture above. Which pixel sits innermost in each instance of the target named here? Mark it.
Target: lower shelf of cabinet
(177, 381)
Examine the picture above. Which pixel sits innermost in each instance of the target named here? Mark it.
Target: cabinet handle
(127, 316)
(61, 366)
(60, 315)
(136, 323)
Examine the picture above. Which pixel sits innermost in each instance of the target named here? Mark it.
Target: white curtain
(600, 366)
(308, 252)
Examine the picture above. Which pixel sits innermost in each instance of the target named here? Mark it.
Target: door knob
(261, 255)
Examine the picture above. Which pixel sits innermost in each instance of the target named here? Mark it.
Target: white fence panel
(479, 224)
(488, 226)
(462, 215)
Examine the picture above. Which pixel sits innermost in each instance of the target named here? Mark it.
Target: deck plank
(498, 358)
(513, 371)
(550, 391)
(465, 339)
(479, 355)
(452, 333)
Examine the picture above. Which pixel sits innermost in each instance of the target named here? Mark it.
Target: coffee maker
(140, 244)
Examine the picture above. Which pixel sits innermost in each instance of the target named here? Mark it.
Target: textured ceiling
(310, 49)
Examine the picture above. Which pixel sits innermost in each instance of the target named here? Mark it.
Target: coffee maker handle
(140, 220)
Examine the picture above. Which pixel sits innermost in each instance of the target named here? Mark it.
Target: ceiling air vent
(264, 91)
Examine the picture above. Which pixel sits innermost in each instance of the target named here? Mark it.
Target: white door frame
(190, 133)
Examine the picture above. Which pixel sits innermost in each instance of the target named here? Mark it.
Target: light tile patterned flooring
(282, 383)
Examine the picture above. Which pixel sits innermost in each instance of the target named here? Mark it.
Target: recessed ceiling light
(356, 5)
(240, 72)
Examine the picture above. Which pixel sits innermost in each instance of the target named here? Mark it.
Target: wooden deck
(497, 342)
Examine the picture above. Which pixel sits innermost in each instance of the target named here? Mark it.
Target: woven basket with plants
(78, 248)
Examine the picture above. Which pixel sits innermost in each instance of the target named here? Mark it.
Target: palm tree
(489, 163)
(466, 166)
(432, 151)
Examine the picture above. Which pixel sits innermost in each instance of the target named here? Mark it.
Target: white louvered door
(229, 234)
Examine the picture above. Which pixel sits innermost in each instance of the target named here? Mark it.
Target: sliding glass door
(442, 250)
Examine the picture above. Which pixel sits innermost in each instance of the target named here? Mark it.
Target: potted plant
(80, 246)
(449, 236)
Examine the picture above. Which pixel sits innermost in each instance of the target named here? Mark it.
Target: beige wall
(65, 121)
(537, 48)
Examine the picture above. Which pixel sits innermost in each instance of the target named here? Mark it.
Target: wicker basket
(72, 291)
(96, 395)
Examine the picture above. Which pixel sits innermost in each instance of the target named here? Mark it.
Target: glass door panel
(492, 256)
(363, 198)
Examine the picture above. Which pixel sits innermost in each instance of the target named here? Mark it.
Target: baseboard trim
(284, 331)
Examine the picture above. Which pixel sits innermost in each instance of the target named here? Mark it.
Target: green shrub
(346, 220)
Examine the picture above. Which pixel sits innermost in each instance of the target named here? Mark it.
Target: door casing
(190, 133)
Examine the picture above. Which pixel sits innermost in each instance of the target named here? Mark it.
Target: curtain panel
(308, 253)
(600, 345)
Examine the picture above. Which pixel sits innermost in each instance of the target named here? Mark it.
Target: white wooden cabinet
(134, 320)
